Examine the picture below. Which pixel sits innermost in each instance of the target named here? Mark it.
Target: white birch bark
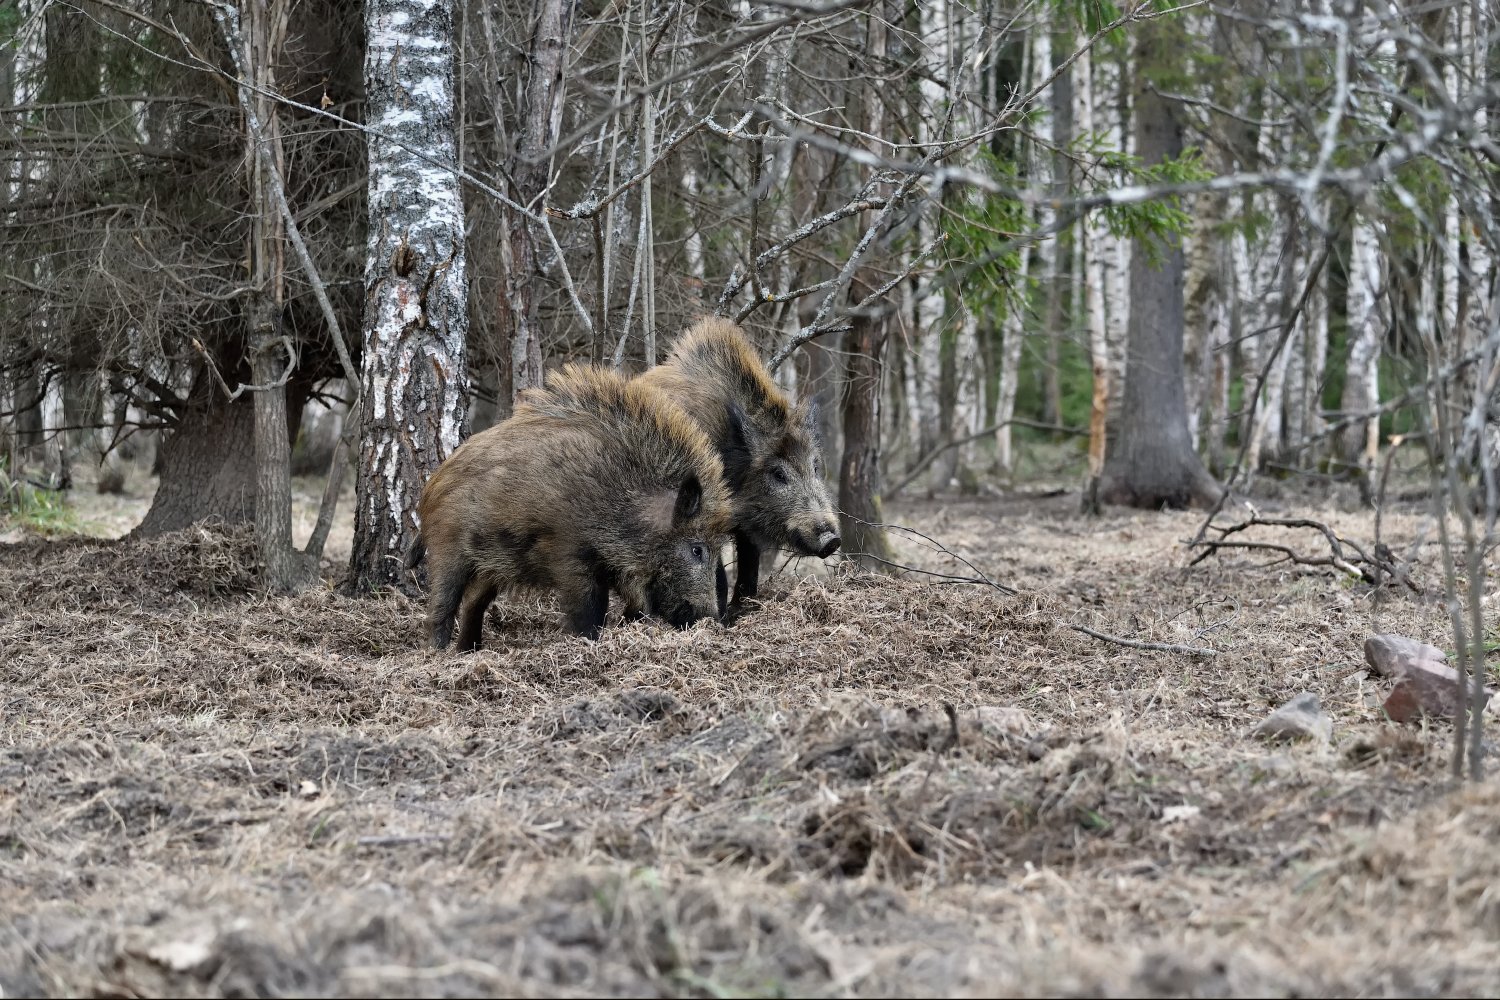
(697, 264)
(1095, 253)
(1112, 106)
(1360, 439)
(415, 380)
(57, 467)
(930, 305)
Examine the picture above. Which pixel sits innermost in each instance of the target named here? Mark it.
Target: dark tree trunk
(947, 463)
(1151, 461)
(859, 471)
(529, 173)
(207, 463)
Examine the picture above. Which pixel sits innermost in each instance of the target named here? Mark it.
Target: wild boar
(773, 461)
(595, 483)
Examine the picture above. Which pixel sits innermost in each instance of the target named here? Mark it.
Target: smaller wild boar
(594, 484)
(773, 461)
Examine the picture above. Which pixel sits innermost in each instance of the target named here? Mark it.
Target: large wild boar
(594, 484)
(772, 458)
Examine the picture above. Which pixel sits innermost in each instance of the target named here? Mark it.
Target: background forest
(959, 225)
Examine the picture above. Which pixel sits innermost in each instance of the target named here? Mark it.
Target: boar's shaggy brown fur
(594, 484)
(772, 458)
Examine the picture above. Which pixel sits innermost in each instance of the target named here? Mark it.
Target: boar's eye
(778, 473)
(700, 552)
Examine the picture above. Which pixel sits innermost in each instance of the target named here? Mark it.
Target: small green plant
(27, 506)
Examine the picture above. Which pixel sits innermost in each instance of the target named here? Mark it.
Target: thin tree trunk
(1359, 440)
(859, 471)
(529, 173)
(1014, 327)
(1095, 279)
(261, 27)
(414, 407)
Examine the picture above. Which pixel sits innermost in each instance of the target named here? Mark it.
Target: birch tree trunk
(415, 398)
(1114, 87)
(1095, 276)
(529, 172)
(1359, 440)
(1013, 333)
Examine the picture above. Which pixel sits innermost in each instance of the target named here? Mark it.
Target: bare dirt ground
(208, 791)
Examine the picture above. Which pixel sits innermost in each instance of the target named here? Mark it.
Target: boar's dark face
(781, 496)
(682, 584)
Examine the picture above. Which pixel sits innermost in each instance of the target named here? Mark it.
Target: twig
(1164, 647)
(979, 577)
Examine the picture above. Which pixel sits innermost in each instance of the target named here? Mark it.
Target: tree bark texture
(206, 463)
(261, 27)
(859, 470)
(1152, 462)
(1359, 440)
(529, 172)
(415, 398)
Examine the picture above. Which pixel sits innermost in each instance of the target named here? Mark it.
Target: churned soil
(870, 785)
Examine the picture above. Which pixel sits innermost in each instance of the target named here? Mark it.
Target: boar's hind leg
(586, 603)
(471, 621)
(448, 584)
(747, 557)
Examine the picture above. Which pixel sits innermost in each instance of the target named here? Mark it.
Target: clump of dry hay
(201, 561)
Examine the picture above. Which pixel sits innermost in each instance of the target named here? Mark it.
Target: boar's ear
(739, 429)
(689, 500)
(810, 416)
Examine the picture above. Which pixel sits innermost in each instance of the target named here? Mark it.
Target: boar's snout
(828, 541)
(683, 615)
(821, 540)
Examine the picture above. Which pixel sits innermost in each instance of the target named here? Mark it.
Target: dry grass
(208, 791)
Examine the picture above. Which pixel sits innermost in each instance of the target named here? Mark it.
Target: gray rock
(1302, 718)
(1389, 655)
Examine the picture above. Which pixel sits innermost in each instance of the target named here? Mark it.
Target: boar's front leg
(747, 558)
(585, 602)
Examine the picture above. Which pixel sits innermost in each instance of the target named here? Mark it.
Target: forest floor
(205, 790)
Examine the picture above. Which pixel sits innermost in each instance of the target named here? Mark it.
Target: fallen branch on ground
(1382, 568)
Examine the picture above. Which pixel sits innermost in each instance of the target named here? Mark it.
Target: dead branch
(1345, 555)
